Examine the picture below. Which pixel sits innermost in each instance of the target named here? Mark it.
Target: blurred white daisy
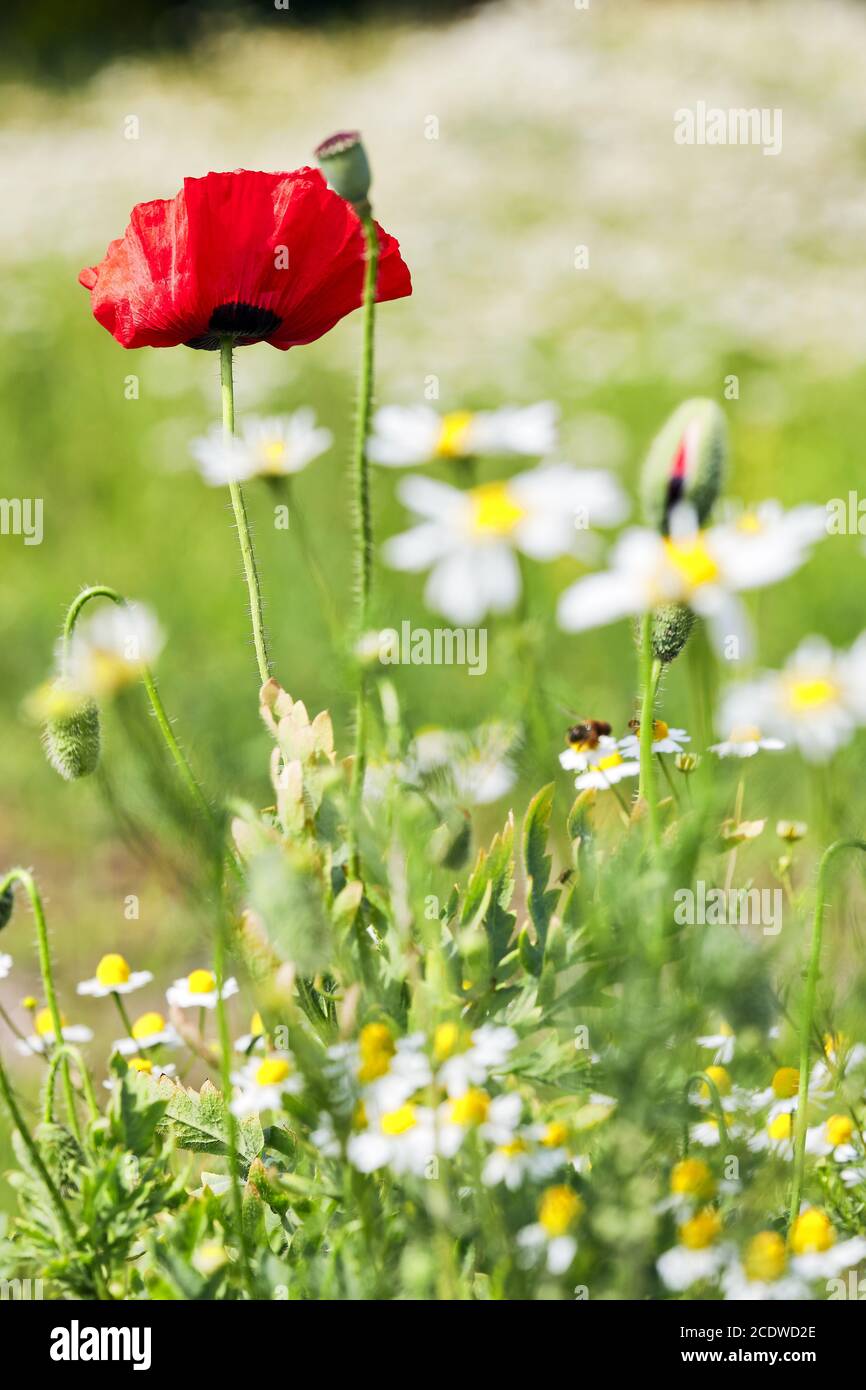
(723, 1044)
(110, 648)
(272, 447)
(833, 1136)
(533, 1153)
(199, 991)
(607, 770)
(489, 1048)
(763, 1274)
(698, 1255)
(5, 965)
(43, 1038)
(403, 1139)
(816, 1252)
(702, 568)
(469, 539)
(256, 1036)
(816, 701)
(745, 741)
(477, 764)
(113, 976)
(405, 436)
(559, 1212)
(148, 1030)
(263, 1082)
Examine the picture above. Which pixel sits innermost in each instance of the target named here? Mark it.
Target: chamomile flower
(723, 1044)
(43, 1038)
(148, 1030)
(275, 447)
(764, 1272)
(840, 1058)
(816, 701)
(816, 1252)
(113, 976)
(703, 568)
(263, 1082)
(744, 741)
(697, 1256)
(5, 965)
(403, 1139)
(532, 1153)
(478, 765)
(781, 1095)
(833, 1137)
(777, 1136)
(665, 739)
(199, 991)
(489, 1048)
(147, 1067)
(469, 539)
(559, 1212)
(409, 435)
(607, 770)
(109, 650)
(588, 742)
(255, 1038)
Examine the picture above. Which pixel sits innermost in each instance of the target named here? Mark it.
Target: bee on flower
(263, 1082)
(110, 648)
(405, 436)
(42, 1040)
(469, 539)
(198, 990)
(273, 447)
(113, 976)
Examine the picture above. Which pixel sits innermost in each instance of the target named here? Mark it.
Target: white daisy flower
(43, 1038)
(109, 649)
(5, 965)
(477, 764)
(588, 743)
(665, 740)
(607, 770)
(840, 1058)
(199, 991)
(815, 702)
(533, 1153)
(255, 1038)
(145, 1065)
(113, 976)
(263, 1082)
(403, 1139)
(559, 1211)
(409, 435)
(744, 742)
(702, 568)
(468, 539)
(763, 1274)
(777, 1137)
(489, 1049)
(273, 447)
(833, 1136)
(698, 1255)
(817, 1255)
(723, 1044)
(148, 1030)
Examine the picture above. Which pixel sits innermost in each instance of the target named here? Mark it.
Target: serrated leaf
(540, 901)
(493, 879)
(134, 1112)
(198, 1120)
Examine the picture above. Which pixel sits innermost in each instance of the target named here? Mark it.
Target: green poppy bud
(686, 463)
(343, 160)
(72, 741)
(672, 625)
(7, 902)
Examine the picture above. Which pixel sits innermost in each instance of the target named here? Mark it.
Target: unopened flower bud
(7, 902)
(686, 762)
(72, 741)
(686, 463)
(672, 625)
(791, 830)
(343, 160)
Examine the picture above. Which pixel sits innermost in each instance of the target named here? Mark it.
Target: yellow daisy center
(494, 511)
(147, 1025)
(140, 1064)
(446, 1039)
(558, 1209)
(44, 1024)
(692, 1178)
(612, 760)
(746, 733)
(470, 1109)
(812, 1232)
(751, 523)
(112, 970)
(376, 1047)
(811, 694)
(454, 434)
(272, 1071)
(701, 1230)
(257, 1027)
(786, 1082)
(201, 982)
(781, 1127)
(555, 1135)
(273, 453)
(692, 561)
(765, 1257)
(839, 1129)
(514, 1149)
(396, 1122)
(722, 1078)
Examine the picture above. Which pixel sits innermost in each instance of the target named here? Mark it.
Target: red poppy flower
(277, 258)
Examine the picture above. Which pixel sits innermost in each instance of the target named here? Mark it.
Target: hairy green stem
(251, 573)
(715, 1101)
(225, 1047)
(66, 1050)
(35, 1156)
(650, 672)
(807, 1009)
(363, 519)
(23, 877)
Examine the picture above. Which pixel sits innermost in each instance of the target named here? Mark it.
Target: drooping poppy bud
(72, 741)
(686, 463)
(343, 160)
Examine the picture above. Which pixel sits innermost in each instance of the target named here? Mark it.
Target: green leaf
(198, 1120)
(134, 1112)
(285, 891)
(540, 901)
(488, 898)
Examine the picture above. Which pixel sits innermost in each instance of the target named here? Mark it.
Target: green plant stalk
(251, 573)
(26, 880)
(715, 1101)
(66, 1050)
(807, 1010)
(185, 771)
(650, 672)
(225, 1047)
(363, 520)
(35, 1156)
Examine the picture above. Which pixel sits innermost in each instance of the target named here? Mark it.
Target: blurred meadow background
(503, 138)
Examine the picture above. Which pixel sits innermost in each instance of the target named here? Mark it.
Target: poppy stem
(813, 970)
(26, 880)
(363, 519)
(243, 528)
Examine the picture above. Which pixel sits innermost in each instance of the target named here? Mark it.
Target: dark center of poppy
(245, 323)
